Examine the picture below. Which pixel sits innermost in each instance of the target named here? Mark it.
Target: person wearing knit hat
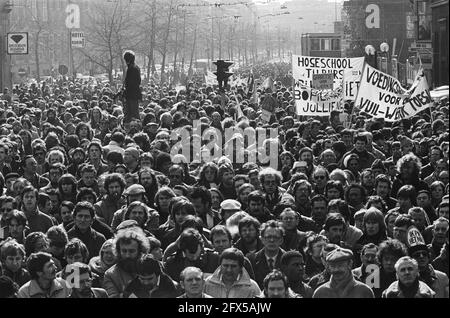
(342, 284)
(418, 250)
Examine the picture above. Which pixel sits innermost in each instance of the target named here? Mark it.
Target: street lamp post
(5, 60)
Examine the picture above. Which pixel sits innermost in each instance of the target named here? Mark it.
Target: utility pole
(6, 7)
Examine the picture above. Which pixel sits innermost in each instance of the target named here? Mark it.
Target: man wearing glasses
(39, 153)
(82, 283)
(5, 168)
(269, 257)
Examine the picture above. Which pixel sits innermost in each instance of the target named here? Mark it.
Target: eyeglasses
(270, 182)
(5, 210)
(320, 177)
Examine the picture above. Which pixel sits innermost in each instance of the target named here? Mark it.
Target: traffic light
(223, 72)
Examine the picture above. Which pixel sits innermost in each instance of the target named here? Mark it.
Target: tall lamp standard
(6, 7)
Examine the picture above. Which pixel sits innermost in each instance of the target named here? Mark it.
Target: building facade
(439, 12)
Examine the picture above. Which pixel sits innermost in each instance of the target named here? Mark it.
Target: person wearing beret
(342, 283)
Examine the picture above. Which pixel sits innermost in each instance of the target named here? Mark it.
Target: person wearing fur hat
(342, 283)
(104, 261)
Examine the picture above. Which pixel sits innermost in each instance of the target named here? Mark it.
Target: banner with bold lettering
(347, 72)
(346, 76)
(382, 96)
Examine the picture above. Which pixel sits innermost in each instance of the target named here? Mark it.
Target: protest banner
(382, 96)
(210, 78)
(311, 102)
(346, 72)
(346, 76)
(323, 81)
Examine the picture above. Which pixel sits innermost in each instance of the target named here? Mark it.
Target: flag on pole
(240, 113)
(250, 83)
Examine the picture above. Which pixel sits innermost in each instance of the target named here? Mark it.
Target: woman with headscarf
(104, 261)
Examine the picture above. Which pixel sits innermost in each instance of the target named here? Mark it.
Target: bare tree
(111, 29)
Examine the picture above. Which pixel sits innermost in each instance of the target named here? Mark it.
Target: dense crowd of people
(349, 210)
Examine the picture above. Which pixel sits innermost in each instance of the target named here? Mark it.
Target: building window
(336, 44)
(325, 44)
(315, 45)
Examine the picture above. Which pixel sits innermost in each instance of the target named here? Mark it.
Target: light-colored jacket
(59, 289)
(440, 284)
(244, 287)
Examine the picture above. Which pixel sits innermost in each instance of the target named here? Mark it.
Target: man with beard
(133, 193)
(81, 287)
(434, 155)
(77, 157)
(114, 186)
(43, 283)
(270, 181)
(342, 284)
(319, 211)
(368, 257)
(334, 228)
(147, 179)
(37, 221)
(408, 284)
(389, 252)
(84, 214)
(293, 266)
(131, 159)
(230, 279)
(436, 280)
(249, 241)
(130, 245)
(368, 181)
(151, 281)
(293, 238)
(383, 189)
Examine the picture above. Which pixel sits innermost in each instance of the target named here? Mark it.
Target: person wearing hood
(104, 261)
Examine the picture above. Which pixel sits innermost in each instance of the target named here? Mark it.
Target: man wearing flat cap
(342, 283)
